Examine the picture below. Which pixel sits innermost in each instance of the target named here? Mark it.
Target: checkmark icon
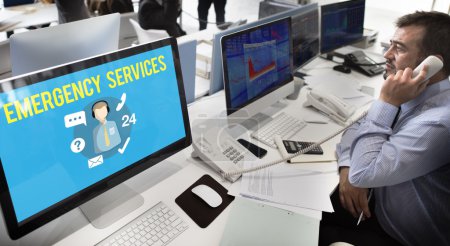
(121, 150)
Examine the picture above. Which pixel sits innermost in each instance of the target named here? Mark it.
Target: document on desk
(340, 86)
(291, 184)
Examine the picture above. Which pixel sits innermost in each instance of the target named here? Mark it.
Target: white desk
(33, 15)
(170, 178)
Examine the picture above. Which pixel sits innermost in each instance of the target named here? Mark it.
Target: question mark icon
(77, 145)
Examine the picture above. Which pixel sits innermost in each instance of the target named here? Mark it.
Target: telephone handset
(221, 151)
(434, 65)
(225, 155)
(333, 106)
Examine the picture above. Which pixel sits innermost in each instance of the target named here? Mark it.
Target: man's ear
(440, 57)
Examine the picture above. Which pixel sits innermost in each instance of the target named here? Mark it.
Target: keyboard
(157, 226)
(283, 125)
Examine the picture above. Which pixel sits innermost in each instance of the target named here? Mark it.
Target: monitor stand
(111, 206)
(255, 121)
(260, 119)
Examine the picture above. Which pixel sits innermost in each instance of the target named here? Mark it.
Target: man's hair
(98, 105)
(436, 36)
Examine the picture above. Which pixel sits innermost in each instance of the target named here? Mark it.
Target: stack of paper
(291, 185)
(343, 87)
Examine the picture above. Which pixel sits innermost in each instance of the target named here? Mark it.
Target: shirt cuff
(344, 162)
(382, 113)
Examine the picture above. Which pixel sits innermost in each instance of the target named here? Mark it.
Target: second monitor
(256, 62)
(257, 65)
(342, 24)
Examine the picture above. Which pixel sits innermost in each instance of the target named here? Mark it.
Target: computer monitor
(216, 79)
(10, 3)
(75, 131)
(271, 7)
(257, 65)
(305, 31)
(55, 45)
(342, 24)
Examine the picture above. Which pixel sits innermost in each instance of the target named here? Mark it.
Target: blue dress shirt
(100, 144)
(407, 165)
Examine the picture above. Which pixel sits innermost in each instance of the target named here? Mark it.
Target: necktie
(396, 118)
(106, 136)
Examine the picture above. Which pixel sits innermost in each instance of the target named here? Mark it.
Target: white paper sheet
(343, 87)
(291, 185)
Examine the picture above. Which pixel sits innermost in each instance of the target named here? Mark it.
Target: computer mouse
(342, 69)
(207, 194)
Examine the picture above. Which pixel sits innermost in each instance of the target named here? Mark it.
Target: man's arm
(352, 198)
(380, 158)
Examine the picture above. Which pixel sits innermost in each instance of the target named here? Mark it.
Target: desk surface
(31, 15)
(172, 176)
(168, 179)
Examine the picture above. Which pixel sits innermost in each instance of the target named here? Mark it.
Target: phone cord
(300, 152)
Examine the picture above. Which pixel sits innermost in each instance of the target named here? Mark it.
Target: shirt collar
(429, 92)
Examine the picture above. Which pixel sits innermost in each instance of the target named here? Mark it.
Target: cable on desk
(301, 152)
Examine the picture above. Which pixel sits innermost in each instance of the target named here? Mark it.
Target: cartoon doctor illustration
(106, 134)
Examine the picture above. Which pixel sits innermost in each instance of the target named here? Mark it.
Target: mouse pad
(199, 211)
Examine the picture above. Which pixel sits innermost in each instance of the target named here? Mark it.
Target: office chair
(145, 36)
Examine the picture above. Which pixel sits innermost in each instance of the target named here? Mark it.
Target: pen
(361, 215)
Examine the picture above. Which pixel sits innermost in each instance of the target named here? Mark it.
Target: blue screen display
(342, 24)
(64, 134)
(257, 60)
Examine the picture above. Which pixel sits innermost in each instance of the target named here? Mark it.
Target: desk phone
(221, 151)
(363, 64)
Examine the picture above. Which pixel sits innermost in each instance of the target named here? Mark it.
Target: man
(161, 15)
(203, 9)
(106, 134)
(401, 149)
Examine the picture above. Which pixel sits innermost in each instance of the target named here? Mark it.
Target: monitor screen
(272, 7)
(72, 132)
(305, 37)
(216, 82)
(10, 3)
(342, 24)
(256, 62)
(56, 45)
(305, 31)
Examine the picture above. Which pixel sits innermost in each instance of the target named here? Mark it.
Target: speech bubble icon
(77, 145)
(75, 119)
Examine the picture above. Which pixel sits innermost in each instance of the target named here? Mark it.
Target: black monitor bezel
(226, 82)
(17, 230)
(8, 4)
(333, 5)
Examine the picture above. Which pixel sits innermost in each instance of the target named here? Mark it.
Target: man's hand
(400, 88)
(352, 198)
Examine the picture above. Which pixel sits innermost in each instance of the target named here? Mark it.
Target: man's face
(404, 50)
(101, 113)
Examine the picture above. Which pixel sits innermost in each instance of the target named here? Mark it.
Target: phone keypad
(232, 154)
